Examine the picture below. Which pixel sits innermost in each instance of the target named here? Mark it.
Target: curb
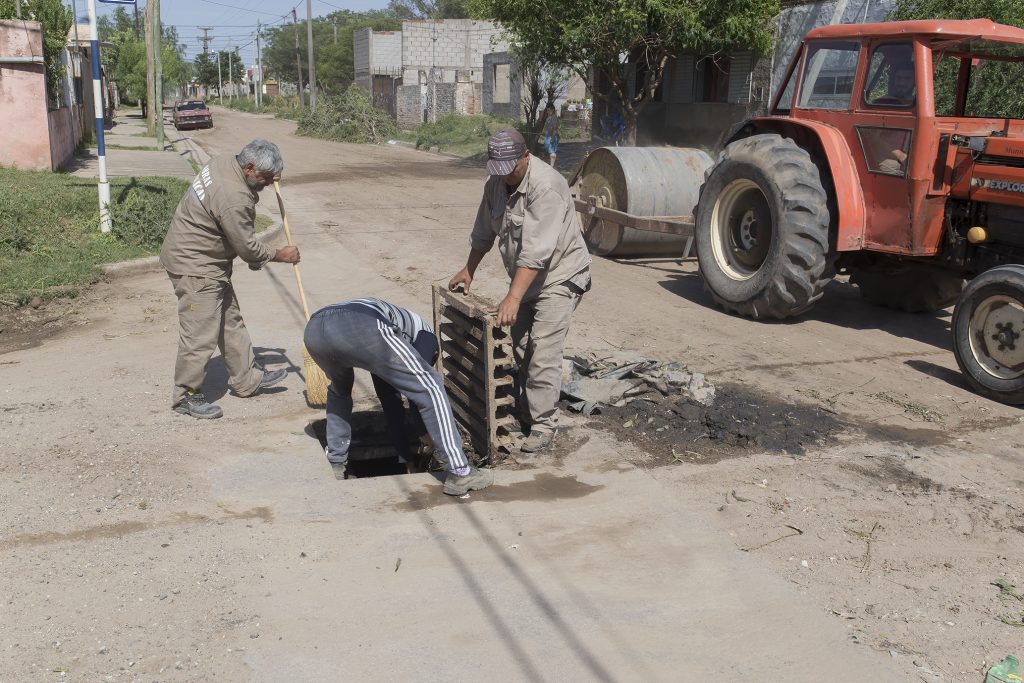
(191, 150)
(148, 264)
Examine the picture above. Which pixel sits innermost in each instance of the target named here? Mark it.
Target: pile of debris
(617, 378)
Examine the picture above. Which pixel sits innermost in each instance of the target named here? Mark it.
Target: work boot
(537, 442)
(196, 405)
(454, 485)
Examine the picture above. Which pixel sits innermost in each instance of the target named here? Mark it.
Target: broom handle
(288, 234)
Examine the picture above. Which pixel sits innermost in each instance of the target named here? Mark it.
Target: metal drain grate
(478, 368)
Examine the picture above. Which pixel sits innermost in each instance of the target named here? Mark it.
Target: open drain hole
(372, 453)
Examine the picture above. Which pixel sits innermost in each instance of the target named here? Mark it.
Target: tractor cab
(909, 99)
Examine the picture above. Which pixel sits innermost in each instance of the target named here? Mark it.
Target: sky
(233, 22)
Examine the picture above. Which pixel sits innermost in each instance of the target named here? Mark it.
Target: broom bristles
(316, 382)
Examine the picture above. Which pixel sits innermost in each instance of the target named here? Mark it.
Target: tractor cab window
(891, 80)
(828, 75)
(995, 72)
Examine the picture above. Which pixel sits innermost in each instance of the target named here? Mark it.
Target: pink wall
(25, 135)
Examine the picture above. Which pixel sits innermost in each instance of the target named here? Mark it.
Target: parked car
(192, 114)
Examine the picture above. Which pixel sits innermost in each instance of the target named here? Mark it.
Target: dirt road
(138, 544)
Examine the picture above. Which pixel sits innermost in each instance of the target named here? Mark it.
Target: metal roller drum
(643, 181)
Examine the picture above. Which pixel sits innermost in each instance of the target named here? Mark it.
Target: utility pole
(97, 99)
(335, 33)
(17, 8)
(158, 74)
(220, 81)
(205, 38)
(298, 56)
(231, 77)
(259, 68)
(150, 73)
(312, 66)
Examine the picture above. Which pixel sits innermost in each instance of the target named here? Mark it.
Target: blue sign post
(97, 98)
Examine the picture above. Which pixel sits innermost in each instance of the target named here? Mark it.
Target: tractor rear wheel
(988, 334)
(762, 229)
(910, 287)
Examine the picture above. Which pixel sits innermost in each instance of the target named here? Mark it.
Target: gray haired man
(211, 226)
(528, 209)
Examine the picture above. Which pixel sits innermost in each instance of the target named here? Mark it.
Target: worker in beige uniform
(214, 223)
(528, 208)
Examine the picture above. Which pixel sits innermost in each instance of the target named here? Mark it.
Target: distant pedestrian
(214, 223)
(393, 344)
(528, 208)
(551, 132)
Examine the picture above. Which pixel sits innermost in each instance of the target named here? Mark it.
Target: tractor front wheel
(762, 229)
(988, 334)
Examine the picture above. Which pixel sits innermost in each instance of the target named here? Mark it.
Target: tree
(609, 38)
(995, 87)
(332, 47)
(543, 82)
(56, 21)
(204, 70)
(429, 9)
(126, 60)
(118, 22)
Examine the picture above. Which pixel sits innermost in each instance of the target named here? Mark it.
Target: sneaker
(196, 405)
(537, 442)
(271, 377)
(454, 485)
(335, 460)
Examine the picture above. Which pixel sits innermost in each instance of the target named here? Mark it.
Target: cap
(504, 150)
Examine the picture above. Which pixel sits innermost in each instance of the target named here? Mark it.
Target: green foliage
(428, 9)
(281, 107)
(332, 47)
(204, 69)
(466, 135)
(348, 118)
(995, 87)
(56, 21)
(141, 212)
(126, 60)
(117, 22)
(597, 34)
(42, 249)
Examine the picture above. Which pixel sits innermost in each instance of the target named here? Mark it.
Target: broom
(316, 380)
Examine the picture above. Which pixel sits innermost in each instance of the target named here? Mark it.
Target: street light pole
(97, 101)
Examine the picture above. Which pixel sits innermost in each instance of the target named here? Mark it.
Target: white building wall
(446, 46)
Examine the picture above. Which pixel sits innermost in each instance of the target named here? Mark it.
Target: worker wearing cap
(528, 209)
(214, 223)
(393, 344)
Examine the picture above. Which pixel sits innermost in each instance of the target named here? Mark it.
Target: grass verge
(50, 243)
(457, 134)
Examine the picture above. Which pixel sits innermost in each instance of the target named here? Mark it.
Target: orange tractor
(892, 153)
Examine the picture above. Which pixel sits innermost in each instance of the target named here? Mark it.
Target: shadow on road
(476, 587)
(840, 306)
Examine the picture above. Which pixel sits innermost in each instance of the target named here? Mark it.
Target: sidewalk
(132, 152)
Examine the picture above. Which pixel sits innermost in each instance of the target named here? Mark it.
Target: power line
(244, 9)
